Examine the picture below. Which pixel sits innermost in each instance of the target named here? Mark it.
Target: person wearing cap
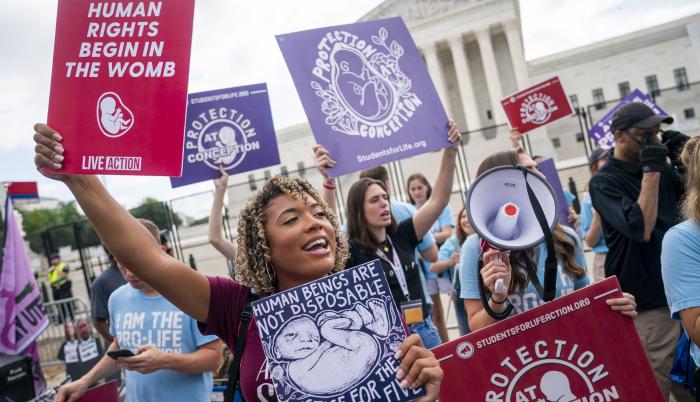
(61, 286)
(591, 227)
(637, 193)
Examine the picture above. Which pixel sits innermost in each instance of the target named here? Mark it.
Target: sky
(233, 44)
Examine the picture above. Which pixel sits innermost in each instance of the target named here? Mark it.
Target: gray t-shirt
(102, 288)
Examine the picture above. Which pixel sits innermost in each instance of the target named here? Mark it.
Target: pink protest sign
(119, 85)
(574, 348)
(536, 106)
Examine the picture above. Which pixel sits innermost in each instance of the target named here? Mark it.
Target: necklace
(385, 247)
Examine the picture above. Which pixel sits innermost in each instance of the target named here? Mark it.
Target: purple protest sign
(366, 92)
(229, 127)
(22, 316)
(600, 132)
(550, 173)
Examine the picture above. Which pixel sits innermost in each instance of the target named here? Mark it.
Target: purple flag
(22, 315)
(550, 173)
(366, 92)
(229, 127)
(600, 132)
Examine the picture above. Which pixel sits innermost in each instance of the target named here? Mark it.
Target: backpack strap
(234, 368)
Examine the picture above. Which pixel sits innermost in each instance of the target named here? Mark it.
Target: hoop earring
(273, 275)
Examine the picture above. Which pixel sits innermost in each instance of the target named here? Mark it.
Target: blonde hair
(253, 257)
(691, 159)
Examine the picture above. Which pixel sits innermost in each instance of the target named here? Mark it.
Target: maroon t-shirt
(225, 307)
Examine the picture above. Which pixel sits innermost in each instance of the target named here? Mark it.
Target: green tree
(36, 221)
(157, 212)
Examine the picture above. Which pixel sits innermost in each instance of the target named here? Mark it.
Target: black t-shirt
(108, 281)
(637, 264)
(404, 242)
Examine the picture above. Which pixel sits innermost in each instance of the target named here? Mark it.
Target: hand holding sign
(48, 155)
(419, 368)
(323, 160)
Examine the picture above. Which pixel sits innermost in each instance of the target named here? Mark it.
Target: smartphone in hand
(120, 353)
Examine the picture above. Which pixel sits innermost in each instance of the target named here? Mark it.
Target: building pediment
(413, 10)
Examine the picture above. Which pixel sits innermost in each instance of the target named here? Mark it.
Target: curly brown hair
(253, 256)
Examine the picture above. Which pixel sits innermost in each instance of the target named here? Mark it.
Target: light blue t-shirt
(586, 220)
(136, 319)
(449, 247)
(680, 269)
(528, 298)
(445, 219)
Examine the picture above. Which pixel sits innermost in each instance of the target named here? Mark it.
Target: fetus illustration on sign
(359, 86)
(556, 387)
(332, 352)
(365, 86)
(113, 117)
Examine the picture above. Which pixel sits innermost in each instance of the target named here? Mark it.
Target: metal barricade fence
(50, 341)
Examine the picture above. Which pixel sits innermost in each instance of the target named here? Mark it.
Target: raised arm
(123, 235)
(323, 162)
(592, 236)
(649, 201)
(424, 219)
(216, 237)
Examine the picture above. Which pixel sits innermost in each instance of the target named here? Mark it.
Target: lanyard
(396, 266)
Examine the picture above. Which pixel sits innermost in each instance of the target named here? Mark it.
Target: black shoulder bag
(233, 388)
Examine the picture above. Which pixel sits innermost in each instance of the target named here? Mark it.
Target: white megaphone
(501, 211)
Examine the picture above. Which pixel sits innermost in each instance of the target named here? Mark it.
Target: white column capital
(455, 39)
(428, 48)
(511, 25)
(483, 35)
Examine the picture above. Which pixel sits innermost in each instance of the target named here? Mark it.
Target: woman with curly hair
(519, 269)
(287, 236)
(375, 234)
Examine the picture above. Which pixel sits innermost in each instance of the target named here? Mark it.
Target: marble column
(515, 45)
(491, 71)
(464, 82)
(435, 71)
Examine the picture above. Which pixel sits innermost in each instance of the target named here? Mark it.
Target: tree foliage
(57, 219)
(157, 212)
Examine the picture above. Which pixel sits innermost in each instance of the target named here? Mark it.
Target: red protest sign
(105, 392)
(536, 106)
(119, 85)
(574, 348)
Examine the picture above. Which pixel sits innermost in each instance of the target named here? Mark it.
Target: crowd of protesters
(632, 219)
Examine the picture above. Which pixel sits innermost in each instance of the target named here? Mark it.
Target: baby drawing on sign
(112, 117)
(335, 352)
(555, 386)
(227, 137)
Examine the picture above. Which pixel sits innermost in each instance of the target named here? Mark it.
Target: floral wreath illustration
(380, 78)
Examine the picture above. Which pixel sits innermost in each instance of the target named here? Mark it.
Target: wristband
(496, 302)
(330, 185)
